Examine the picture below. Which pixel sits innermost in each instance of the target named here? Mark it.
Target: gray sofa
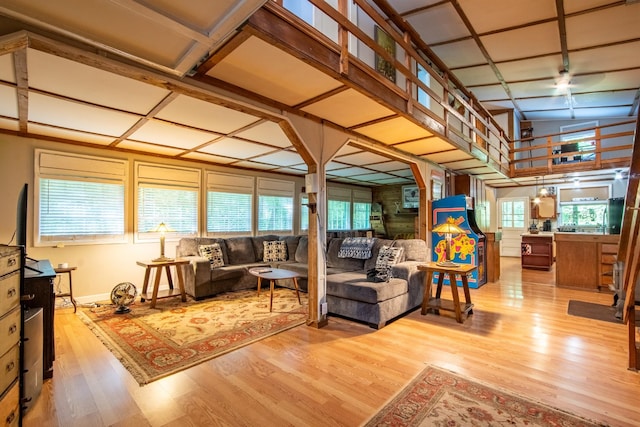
(350, 293)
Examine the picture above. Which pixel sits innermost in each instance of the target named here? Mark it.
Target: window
(275, 206)
(302, 9)
(229, 204)
(512, 213)
(361, 210)
(166, 195)
(338, 208)
(424, 77)
(304, 213)
(79, 199)
(584, 136)
(583, 214)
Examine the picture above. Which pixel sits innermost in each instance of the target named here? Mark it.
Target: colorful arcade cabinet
(467, 248)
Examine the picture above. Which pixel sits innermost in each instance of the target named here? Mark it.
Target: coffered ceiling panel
(7, 69)
(461, 53)
(607, 26)
(480, 75)
(150, 148)
(425, 146)
(267, 70)
(438, 23)
(204, 115)
(486, 16)
(280, 158)
(72, 115)
(78, 81)
(233, 147)
(71, 135)
(348, 108)
(528, 69)
(447, 156)
(394, 130)
(267, 132)
(9, 104)
(523, 42)
(171, 135)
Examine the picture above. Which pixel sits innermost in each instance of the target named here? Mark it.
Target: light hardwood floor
(519, 338)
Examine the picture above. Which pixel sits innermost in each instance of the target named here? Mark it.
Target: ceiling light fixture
(564, 81)
(618, 175)
(536, 199)
(543, 189)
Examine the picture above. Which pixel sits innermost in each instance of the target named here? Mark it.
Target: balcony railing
(403, 63)
(602, 147)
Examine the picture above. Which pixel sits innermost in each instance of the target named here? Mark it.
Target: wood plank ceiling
(123, 74)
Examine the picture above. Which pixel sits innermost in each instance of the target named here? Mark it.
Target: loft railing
(601, 147)
(404, 64)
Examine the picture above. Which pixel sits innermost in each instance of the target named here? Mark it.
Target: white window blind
(361, 209)
(338, 208)
(304, 213)
(275, 206)
(169, 195)
(229, 204)
(79, 199)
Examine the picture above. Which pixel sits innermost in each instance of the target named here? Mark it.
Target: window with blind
(229, 204)
(361, 209)
(275, 206)
(79, 199)
(338, 208)
(166, 195)
(304, 213)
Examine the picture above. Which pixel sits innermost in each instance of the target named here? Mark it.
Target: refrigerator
(615, 209)
(467, 248)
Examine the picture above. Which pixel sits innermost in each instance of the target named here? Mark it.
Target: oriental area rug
(154, 343)
(441, 398)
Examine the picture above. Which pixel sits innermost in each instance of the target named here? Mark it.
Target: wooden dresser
(10, 330)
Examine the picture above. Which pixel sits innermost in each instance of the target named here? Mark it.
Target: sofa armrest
(197, 272)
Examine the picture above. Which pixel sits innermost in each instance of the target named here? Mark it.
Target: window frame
(268, 187)
(153, 175)
(220, 182)
(65, 166)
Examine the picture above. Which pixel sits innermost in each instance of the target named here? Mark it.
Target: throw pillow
(388, 256)
(213, 253)
(275, 250)
(356, 247)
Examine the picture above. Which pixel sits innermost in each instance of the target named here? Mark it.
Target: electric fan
(122, 295)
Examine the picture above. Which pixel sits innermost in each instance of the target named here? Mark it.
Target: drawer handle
(10, 418)
(12, 329)
(11, 262)
(10, 366)
(11, 292)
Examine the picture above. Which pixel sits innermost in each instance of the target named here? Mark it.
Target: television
(21, 217)
(21, 224)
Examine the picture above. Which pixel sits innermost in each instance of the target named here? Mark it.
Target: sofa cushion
(356, 247)
(258, 245)
(302, 251)
(240, 250)
(370, 263)
(414, 249)
(213, 253)
(388, 256)
(292, 245)
(274, 251)
(354, 286)
(333, 261)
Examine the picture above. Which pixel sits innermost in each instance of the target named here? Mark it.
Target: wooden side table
(431, 303)
(68, 270)
(159, 266)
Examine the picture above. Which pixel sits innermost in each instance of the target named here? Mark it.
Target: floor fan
(122, 295)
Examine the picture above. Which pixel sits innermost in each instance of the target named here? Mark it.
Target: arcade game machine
(467, 248)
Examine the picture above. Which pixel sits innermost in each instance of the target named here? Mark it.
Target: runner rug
(441, 398)
(154, 343)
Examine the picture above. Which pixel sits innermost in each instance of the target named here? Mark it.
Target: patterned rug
(441, 398)
(154, 343)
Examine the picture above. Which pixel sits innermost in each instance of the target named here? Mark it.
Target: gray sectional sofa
(350, 293)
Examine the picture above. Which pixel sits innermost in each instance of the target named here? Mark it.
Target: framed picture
(383, 66)
(410, 196)
(436, 189)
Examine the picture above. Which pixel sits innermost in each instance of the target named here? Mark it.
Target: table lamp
(448, 228)
(162, 228)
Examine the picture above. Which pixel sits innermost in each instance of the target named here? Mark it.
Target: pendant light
(543, 190)
(536, 200)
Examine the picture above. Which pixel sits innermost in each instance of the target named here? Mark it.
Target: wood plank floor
(519, 338)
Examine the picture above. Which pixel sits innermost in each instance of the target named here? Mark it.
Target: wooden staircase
(629, 251)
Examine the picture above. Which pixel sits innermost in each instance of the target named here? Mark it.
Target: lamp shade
(448, 227)
(162, 228)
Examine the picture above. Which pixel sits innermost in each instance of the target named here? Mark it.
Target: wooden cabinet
(10, 334)
(584, 260)
(493, 256)
(38, 286)
(537, 251)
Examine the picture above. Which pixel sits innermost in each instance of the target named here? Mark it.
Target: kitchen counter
(590, 254)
